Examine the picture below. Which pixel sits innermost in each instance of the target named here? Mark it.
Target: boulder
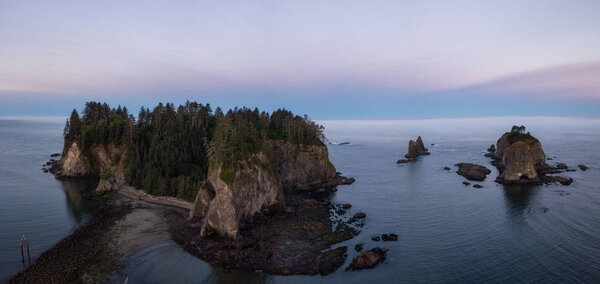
(359, 215)
(492, 148)
(477, 186)
(472, 171)
(561, 180)
(447, 168)
(583, 167)
(416, 149)
(466, 183)
(376, 238)
(389, 237)
(561, 166)
(403, 161)
(347, 206)
(358, 247)
(367, 259)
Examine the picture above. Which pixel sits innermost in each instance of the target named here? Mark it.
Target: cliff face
(254, 190)
(519, 158)
(301, 167)
(73, 163)
(98, 162)
(259, 185)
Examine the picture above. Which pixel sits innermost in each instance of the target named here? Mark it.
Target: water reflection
(518, 198)
(79, 207)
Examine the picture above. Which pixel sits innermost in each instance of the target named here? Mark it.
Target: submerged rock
(466, 183)
(347, 206)
(447, 168)
(358, 247)
(477, 186)
(389, 237)
(472, 171)
(583, 167)
(416, 149)
(368, 259)
(403, 161)
(561, 166)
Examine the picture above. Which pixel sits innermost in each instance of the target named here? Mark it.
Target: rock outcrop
(99, 161)
(367, 259)
(472, 171)
(519, 157)
(253, 190)
(259, 185)
(521, 160)
(416, 149)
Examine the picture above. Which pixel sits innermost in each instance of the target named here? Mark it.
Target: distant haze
(328, 59)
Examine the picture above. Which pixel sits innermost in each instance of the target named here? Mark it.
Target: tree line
(170, 148)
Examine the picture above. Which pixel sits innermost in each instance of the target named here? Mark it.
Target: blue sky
(328, 59)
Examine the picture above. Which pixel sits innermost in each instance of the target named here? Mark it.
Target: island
(520, 159)
(256, 185)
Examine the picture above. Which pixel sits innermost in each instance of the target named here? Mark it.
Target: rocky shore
(87, 255)
(297, 241)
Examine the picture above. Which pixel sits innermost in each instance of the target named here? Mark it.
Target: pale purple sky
(283, 53)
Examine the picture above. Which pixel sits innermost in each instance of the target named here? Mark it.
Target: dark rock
(368, 259)
(403, 161)
(447, 168)
(347, 206)
(358, 247)
(416, 149)
(520, 159)
(359, 215)
(561, 180)
(570, 170)
(561, 166)
(477, 186)
(472, 171)
(375, 238)
(583, 167)
(466, 183)
(389, 237)
(55, 155)
(330, 260)
(344, 143)
(549, 159)
(492, 148)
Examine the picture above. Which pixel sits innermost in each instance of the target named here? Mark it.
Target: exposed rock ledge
(472, 171)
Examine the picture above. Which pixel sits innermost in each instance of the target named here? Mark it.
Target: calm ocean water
(447, 232)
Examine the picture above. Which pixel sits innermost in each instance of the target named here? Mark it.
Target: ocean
(447, 232)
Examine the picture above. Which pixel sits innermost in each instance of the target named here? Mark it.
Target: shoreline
(303, 237)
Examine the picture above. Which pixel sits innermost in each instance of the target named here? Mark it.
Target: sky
(326, 59)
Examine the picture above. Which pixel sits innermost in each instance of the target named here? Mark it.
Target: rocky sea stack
(415, 149)
(520, 159)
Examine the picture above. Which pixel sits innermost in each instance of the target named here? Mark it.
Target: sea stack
(416, 149)
(520, 158)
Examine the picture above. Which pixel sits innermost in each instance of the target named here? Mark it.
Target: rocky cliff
(100, 161)
(224, 203)
(519, 157)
